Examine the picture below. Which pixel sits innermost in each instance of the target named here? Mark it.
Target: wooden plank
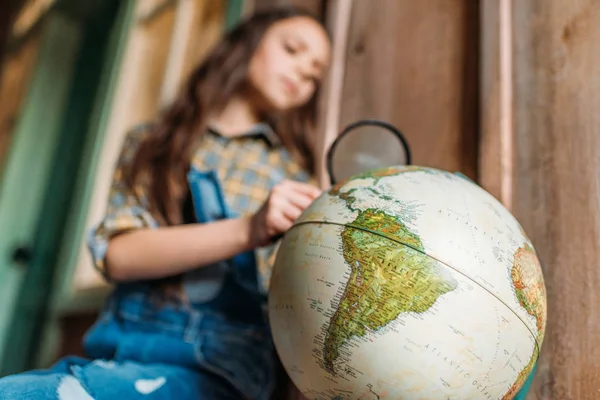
(410, 63)
(207, 28)
(75, 277)
(182, 29)
(556, 189)
(29, 15)
(489, 139)
(337, 17)
(198, 26)
(15, 79)
(65, 297)
(151, 42)
(30, 161)
(147, 10)
(496, 147)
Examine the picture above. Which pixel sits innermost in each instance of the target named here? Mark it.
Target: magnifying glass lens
(366, 147)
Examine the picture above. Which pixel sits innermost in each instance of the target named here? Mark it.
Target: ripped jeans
(80, 379)
(140, 351)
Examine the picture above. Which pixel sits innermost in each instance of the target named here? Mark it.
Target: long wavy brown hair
(163, 158)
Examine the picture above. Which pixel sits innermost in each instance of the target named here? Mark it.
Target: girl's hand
(284, 205)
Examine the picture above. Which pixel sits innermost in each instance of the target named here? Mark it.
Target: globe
(407, 283)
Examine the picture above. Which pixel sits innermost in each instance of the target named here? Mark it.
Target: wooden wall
(414, 63)
(551, 145)
(15, 77)
(18, 53)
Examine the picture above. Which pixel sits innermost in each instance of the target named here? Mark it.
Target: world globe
(407, 283)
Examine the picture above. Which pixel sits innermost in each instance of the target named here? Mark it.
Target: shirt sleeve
(126, 209)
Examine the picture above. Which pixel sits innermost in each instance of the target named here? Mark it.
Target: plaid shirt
(247, 166)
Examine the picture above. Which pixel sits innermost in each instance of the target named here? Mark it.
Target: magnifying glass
(366, 145)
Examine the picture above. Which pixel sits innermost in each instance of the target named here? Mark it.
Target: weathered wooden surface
(493, 112)
(555, 131)
(15, 77)
(415, 64)
(337, 18)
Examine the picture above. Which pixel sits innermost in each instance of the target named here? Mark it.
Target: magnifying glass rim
(362, 122)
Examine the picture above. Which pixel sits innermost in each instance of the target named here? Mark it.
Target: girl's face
(289, 63)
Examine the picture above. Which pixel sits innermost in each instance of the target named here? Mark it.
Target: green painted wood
(32, 305)
(30, 159)
(63, 298)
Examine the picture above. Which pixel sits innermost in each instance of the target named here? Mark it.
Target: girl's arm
(168, 251)
(162, 252)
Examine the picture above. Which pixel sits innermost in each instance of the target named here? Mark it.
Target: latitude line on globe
(305, 222)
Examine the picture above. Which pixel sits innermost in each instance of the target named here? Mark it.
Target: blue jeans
(141, 350)
(80, 379)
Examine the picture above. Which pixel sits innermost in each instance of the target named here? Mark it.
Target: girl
(196, 201)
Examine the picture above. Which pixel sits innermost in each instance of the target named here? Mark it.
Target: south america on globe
(407, 283)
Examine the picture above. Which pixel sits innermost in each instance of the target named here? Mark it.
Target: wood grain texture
(337, 20)
(414, 63)
(490, 168)
(15, 78)
(556, 67)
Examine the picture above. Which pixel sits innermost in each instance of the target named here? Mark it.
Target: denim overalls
(222, 330)
(214, 343)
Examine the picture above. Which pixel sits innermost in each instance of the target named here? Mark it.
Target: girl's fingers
(309, 190)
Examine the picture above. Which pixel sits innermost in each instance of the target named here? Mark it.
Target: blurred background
(505, 91)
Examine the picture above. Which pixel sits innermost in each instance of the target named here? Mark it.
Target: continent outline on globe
(359, 240)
